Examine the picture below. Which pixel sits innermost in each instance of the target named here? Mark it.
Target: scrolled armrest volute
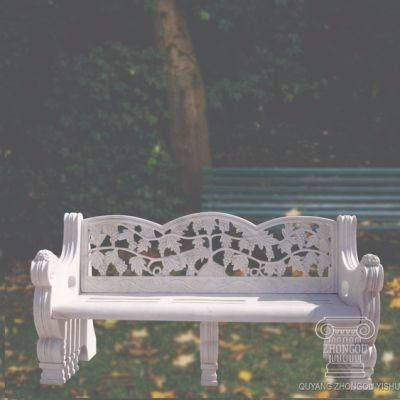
(43, 268)
(374, 273)
(373, 285)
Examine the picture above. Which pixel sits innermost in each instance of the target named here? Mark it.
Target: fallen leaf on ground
(187, 337)
(243, 390)
(271, 329)
(139, 333)
(183, 360)
(245, 376)
(235, 337)
(279, 349)
(222, 388)
(324, 394)
(155, 394)
(300, 396)
(262, 364)
(393, 287)
(379, 392)
(395, 303)
(236, 347)
(158, 380)
(287, 356)
(142, 351)
(107, 324)
(118, 347)
(120, 374)
(8, 353)
(387, 357)
(15, 368)
(270, 394)
(385, 327)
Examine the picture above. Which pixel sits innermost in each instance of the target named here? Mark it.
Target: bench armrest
(57, 278)
(49, 271)
(359, 282)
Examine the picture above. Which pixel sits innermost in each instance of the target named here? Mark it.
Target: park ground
(141, 360)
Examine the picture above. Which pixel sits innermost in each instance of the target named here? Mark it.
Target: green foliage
(288, 83)
(263, 50)
(280, 72)
(258, 64)
(101, 150)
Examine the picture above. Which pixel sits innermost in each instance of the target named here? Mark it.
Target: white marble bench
(205, 267)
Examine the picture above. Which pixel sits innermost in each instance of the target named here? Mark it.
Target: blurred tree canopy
(84, 116)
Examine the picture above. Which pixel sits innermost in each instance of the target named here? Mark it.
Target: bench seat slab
(250, 308)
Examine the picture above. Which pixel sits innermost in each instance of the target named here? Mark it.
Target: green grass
(136, 359)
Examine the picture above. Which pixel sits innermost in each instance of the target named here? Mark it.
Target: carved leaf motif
(180, 229)
(324, 235)
(111, 257)
(285, 246)
(264, 241)
(96, 237)
(198, 242)
(323, 262)
(244, 243)
(313, 241)
(223, 225)
(125, 235)
(297, 263)
(310, 259)
(212, 269)
(138, 264)
(226, 240)
(190, 257)
(143, 245)
(208, 224)
(112, 232)
(97, 262)
(240, 262)
(168, 242)
(287, 230)
(172, 263)
(228, 257)
(147, 232)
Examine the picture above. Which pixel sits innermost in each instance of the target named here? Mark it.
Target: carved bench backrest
(208, 253)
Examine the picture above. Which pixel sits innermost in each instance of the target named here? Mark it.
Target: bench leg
(368, 358)
(209, 353)
(87, 340)
(52, 348)
(58, 344)
(355, 365)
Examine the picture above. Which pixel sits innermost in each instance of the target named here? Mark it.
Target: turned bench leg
(209, 353)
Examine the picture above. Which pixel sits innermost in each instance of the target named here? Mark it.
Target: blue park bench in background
(259, 194)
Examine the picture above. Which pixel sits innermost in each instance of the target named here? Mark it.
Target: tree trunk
(186, 97)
